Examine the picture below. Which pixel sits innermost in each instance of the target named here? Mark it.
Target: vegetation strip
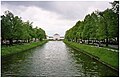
(15, 30)
(8, 50)
(105, 56)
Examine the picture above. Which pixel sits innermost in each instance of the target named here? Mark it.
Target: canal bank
(54, 59)
(9, 50)
(107, 57)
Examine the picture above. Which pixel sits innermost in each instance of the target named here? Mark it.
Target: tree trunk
(28, 40)
(88, 41)
(35, 39)
(106, 41)
(75, 39)
(17, 41)
(83, 41)
(118, 40)
(93, 41)
(10, 41)
(2, 41)
(99, 43)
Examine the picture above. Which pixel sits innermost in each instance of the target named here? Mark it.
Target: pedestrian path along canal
(53, 59)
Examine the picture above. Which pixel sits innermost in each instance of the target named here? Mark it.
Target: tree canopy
(100, 26)
(14, 28)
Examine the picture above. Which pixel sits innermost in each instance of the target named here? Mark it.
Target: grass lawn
(108, 57)
(7, 50)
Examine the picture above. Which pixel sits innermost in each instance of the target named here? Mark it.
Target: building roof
(56, 34)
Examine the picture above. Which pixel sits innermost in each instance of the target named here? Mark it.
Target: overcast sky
(53, 17)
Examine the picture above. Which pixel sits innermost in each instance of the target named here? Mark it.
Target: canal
(53, 59)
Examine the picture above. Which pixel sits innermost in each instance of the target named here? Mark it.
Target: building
(56, 37)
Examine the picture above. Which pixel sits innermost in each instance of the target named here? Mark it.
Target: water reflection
(53, 59)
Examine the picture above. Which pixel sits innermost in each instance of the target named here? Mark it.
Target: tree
(13, 28)
(87, 28)
(7, 26)
(18, 28)
(98, 26)
(113, 23)
(115, 6)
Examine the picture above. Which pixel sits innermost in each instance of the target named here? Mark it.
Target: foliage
(97, 26)
(13, 28)
(115, 6)
(5, 51)
(102, 54)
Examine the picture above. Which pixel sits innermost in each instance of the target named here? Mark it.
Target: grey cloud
(71, 10)
(68, 13)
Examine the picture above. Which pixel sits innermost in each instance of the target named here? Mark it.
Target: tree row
(97, 27)
(14, 30)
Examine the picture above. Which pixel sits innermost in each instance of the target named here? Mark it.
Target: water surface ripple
(54, 59)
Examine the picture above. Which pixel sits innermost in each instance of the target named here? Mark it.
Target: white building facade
(56, 37)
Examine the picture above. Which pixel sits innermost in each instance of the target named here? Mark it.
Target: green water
(54, 59)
